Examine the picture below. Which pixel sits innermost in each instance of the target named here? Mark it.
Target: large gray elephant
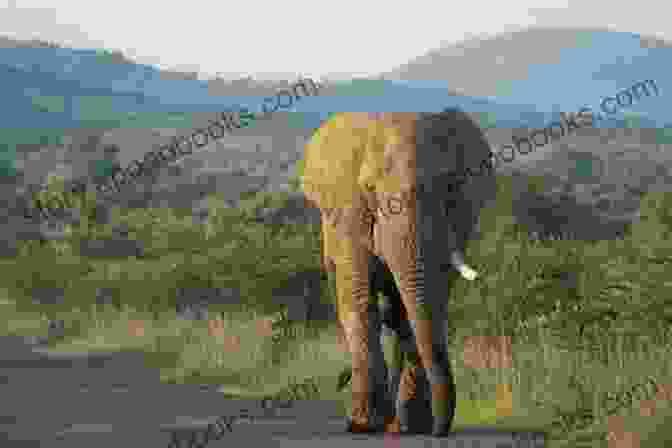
(408, 188)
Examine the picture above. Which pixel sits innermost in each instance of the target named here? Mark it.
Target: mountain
(65, 108)
(595, 176)
(539, 59)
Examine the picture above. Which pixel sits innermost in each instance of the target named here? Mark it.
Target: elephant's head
(436, 177)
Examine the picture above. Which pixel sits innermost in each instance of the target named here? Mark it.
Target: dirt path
(113, 400)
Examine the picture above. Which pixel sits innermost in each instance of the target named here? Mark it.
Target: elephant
(355, 167)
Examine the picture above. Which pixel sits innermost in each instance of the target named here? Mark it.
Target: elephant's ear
(440, 147)
(332, 160)
(399, 160)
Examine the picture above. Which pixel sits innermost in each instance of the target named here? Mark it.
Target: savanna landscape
(567, 335)
(556, 335)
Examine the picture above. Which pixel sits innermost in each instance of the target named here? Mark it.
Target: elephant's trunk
(457, 261)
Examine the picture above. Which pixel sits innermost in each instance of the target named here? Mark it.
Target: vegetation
(578, 350)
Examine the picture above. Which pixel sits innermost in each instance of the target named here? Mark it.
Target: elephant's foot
(368, 426)
(390, 424)
(361, 428)
(360, 420)
(413, 406)
(418, 414)
(441, 428)
(370, 413)
(440, 376)
(443, 404)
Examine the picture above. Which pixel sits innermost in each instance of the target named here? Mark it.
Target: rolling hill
(596, 176)
(62, 108)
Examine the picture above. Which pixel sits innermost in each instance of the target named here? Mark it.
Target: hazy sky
(274, 39)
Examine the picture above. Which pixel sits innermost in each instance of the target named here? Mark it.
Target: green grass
(573, 350)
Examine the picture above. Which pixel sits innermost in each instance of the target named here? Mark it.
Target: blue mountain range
(47, 90)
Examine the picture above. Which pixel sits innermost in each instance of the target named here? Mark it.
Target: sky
(281, 40)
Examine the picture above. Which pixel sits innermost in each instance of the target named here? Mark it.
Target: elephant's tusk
(458, 263)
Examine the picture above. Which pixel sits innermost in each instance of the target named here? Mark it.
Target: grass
(573, 352)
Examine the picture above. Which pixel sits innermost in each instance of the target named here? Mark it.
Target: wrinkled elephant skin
(352, 165)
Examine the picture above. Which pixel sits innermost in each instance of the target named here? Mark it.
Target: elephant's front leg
(360, 319)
